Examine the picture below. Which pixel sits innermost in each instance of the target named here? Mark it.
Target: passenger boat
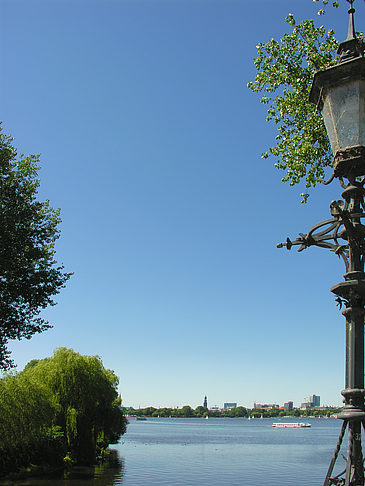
(291, 425)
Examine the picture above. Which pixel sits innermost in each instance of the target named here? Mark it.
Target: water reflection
(109, 473)
(214, 452)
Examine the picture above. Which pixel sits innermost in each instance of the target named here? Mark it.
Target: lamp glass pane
(344, 115)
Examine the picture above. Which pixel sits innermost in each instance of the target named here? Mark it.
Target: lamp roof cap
(352, 47)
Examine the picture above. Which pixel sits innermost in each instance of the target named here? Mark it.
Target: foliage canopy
(285, 71)
(89, 405)
(58, 411)
(29, 274)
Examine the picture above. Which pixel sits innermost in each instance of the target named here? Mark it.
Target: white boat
(291, 425)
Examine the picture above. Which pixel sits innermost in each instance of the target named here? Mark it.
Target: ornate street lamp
(339, 93)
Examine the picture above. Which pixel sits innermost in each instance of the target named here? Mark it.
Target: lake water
(214, 452)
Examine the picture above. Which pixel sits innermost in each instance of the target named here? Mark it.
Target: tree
(29, 274)
(58, 410)
(90, 413)
(237, 412)
(186, 411)
(201, 411)
(27, 433)
(285, 71)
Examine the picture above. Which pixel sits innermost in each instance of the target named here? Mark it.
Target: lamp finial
(351, 31)
(351, 48)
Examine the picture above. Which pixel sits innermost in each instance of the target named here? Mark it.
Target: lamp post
(339, 93)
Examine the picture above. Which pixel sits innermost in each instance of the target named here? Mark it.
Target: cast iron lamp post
(339, 93)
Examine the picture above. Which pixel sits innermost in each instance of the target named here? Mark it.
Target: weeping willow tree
(27, 431)
(90, 413)
(60, 410)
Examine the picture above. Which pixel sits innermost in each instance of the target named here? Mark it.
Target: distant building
(312, 401)
(229, 406)
(316, 400)
(305, 405)
(288, 406)
(205, 404)
(265, 405)
(215, 409)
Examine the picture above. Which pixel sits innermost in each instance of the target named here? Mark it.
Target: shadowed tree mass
(29, 274)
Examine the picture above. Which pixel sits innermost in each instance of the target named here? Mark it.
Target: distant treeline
(57, 412)
(202, 412)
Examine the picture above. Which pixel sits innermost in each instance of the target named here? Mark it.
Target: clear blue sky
(150, 144)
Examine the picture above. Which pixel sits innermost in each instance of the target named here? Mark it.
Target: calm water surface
(214, 452)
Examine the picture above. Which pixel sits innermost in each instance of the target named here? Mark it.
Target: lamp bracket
(342, 231)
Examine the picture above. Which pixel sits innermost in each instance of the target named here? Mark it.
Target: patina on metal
(338, 92)
(344, 235)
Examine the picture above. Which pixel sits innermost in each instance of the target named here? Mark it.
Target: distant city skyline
(311, 401)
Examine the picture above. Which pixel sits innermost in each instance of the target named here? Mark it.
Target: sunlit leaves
(90, 407)
(58, 410)
(285, 71)
(27, 410)
(322, 10)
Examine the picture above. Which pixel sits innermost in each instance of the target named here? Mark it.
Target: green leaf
(285, 70)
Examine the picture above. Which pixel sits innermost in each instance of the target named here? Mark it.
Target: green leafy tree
(148, 412)
(256, 412)
(29, 274)
(27, 431)
(186, 411)
(164, 412)
(90, 412)
(285, 71)
(201, 411)
(58, 410)
(238, 412)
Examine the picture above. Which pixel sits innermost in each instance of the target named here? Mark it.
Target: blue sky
(150, 144)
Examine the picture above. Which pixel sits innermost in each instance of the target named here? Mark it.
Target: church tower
(205, 404)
